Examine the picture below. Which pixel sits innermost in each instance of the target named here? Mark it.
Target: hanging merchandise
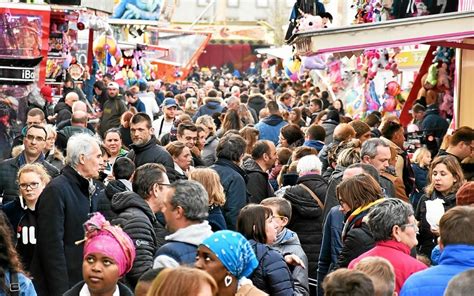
(292, 67)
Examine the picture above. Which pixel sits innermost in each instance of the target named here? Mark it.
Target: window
(233, 3)
(262, 3)
(202, 3)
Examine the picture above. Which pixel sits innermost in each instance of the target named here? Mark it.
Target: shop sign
(410, 59)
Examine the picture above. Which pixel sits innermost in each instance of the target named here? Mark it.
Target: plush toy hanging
(292, 67)
(106, 44)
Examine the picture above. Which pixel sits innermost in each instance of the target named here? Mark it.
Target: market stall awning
(426, 29)
(277, 52)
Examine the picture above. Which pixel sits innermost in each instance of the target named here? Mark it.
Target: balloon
(106, 44)
(393, 88)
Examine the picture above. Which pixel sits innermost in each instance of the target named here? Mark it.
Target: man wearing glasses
(34, 143)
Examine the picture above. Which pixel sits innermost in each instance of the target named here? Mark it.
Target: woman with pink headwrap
(108, 256)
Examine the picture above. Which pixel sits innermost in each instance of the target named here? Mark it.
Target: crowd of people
(223, 185)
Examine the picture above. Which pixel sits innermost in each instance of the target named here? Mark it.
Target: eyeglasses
(32, 185)
(163, 184)
(414, 225)
(31, 138)
(277, 216)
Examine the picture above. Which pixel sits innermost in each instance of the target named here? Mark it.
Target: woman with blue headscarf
(228, 257)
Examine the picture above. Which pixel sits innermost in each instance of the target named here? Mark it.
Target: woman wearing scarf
(228, 257)
(357, 195)
(108, 256)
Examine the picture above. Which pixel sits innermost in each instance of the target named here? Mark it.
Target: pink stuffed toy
(309, 23)
(443, 77)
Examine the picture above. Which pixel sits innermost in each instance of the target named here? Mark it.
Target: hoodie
(287, 242)
(318, 145)
(269, 127)
(211, 106)
(257, 102)
(182, 245)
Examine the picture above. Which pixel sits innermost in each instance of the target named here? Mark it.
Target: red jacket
(399, 256)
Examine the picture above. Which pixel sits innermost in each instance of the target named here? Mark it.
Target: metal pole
(212, 2)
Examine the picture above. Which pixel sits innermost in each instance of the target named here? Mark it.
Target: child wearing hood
(287, 241)
(108, 256)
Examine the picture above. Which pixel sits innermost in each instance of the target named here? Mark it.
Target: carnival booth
(441, 42)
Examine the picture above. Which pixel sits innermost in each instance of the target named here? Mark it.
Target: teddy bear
(443, 77)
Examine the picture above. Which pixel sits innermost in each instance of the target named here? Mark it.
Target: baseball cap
(169, 102)
(113, 85)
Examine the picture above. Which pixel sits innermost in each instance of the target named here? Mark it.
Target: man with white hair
(307, 201)
(63, 110)
(62, 209)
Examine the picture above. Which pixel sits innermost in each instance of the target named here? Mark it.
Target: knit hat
(465, 194)
(112, 241)
(360, 127)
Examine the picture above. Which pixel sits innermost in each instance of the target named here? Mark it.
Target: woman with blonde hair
(183, 281)
(32, 179)
(445, 177)
(212, 183)
(208, 152)
(420, 164)
(51, 153)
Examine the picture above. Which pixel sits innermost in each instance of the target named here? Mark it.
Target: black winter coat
(331, 199)
(8, 170)
(62, 209)
(104, 203)
(74, 291)
(426, 239)
(272, 274)
(150, 152)
(307, 217)
(140, 223)
(257, 185)
(357, 242)
(433, 123)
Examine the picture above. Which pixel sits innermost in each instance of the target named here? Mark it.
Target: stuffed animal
(446, 106)
(432, 78)
(443, 77)
(421, 9)
(309, 23)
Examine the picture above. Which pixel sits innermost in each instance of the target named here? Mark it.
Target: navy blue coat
(183, 253)
(233, 179)
(272, 274)
(433, 122)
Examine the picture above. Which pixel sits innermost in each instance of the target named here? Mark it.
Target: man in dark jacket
(256, 101)
(62, 209)
(63, 110)
(269, 127)
(307, 199)
(185, 209)
(461, 146)
(122, 171)
(332, 120)
(263, 158)
(34, 143)
(145, 148)
(112, 109)
(433, 123)
(230, 150)
(78, 125)
(212, 104)
(136, 215)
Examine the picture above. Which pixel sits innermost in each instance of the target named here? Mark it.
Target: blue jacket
(433, 281)
(26, 285)
(331, 245)
(210, 107)
(270, 127)
(234, 180)
(272, 274)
